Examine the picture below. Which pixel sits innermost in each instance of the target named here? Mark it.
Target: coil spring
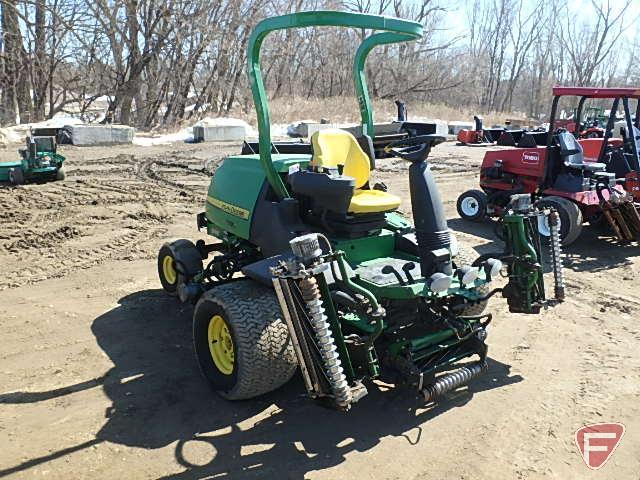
(556, 255)
(451, 381)
(326, 344)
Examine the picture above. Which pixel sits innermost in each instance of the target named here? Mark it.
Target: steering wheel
(414, 149)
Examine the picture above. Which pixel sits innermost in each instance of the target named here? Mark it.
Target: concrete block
(441, 127)
(388, 128)
(306, 129)
(455, 127)
(219, 133)
(430, 126)
(85, 135)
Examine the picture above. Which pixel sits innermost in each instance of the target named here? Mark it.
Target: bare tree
(588, 44)
(157, 64)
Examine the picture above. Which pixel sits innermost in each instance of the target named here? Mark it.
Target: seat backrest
(333, 147)
(45, 144)
(570, 150)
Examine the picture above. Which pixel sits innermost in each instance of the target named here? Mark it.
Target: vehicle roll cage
(394, 30)
(585, 93)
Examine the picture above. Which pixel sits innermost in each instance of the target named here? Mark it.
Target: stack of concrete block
(86, 135)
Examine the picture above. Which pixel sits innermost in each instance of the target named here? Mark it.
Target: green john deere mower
(333, 278)
(39, 160)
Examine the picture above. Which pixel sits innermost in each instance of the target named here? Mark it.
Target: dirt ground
(98, 379)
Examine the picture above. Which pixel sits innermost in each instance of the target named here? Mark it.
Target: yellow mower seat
(333, 147)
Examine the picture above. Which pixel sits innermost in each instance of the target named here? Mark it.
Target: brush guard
(620, 212)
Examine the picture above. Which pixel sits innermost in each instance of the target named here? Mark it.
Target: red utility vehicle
(480, 135)
(580, 178)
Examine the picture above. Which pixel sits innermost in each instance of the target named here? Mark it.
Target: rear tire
(178, 262)
(263, 355)
(16, 176)
(472, 205)
(570, 219)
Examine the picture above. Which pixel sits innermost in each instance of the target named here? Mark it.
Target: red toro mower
(582, 179)
(592, 126)
(479, 136)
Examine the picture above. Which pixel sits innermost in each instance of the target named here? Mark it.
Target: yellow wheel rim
(169, 269)
(221, 344)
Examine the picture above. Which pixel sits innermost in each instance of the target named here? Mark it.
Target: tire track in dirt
(110, 208)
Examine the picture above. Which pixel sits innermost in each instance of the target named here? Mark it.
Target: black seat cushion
(573, 156)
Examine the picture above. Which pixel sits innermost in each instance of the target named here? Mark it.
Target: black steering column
(432, 233)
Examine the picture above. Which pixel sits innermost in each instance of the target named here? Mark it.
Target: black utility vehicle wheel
(472, 205)
(241, 341)
(61, 174)
(178, 262)
(570, 219)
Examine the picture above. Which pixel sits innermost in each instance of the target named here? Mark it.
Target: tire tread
(265, 356)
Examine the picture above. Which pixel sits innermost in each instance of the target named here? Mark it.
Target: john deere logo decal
(228, 208)
(531, 157)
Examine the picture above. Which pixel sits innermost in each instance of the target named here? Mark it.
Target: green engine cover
(235, 188)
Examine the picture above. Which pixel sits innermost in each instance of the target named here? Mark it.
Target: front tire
(60, 174)
(472, 205)
(178, 262)
(257, 356)
(16, 176)
(570, 219)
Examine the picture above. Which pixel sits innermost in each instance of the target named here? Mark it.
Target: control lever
(406, 268)
(387, 269)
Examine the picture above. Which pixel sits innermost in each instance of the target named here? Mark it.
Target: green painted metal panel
(4, 169)
(235, 187)
(397, 222)
(360, 250)
(356, 321)
(407, 30)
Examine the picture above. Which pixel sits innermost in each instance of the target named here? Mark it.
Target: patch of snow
(222, 122)
(201, 108)
(279, 130)
(10, 135)
(184, 135)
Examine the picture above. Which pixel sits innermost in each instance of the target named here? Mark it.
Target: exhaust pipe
(478, 122)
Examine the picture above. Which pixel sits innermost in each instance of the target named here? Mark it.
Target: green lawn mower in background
(334, 279)
(39, 161)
